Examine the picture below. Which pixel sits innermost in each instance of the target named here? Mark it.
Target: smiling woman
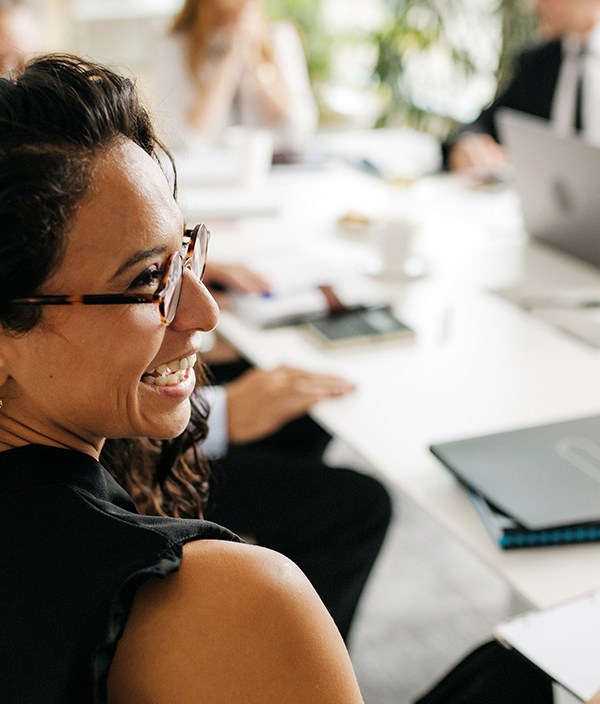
(99, 243)
(102, 310)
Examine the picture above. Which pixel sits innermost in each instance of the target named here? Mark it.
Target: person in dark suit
(535, 88)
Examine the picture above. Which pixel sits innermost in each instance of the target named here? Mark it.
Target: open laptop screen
(558, 181)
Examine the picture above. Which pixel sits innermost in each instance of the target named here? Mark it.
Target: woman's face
(82, 373)
(559, 18)
(231, 9)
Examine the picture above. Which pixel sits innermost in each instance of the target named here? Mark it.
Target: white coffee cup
(394, 242)
(254, 151)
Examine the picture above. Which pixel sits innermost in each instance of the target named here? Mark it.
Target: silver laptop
(543, 476)
(558, 181)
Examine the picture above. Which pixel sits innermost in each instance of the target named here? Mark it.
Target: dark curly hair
(56, 117)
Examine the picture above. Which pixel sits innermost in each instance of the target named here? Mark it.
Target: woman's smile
(171, 373)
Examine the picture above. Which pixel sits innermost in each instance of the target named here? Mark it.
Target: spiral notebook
(508, 534)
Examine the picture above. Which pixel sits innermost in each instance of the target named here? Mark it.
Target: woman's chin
(169, 426)
(176, 428)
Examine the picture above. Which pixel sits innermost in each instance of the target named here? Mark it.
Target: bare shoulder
(237, 623)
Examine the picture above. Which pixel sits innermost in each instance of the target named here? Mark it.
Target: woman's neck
(15, 434)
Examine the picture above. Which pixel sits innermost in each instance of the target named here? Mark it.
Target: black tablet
(359, 325)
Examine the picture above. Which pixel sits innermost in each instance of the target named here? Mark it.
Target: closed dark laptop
(557, 181)
(543, 477)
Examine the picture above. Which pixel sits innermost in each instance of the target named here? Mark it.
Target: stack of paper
(564, 641)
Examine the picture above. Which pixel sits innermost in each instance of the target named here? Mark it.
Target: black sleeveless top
(73, 550)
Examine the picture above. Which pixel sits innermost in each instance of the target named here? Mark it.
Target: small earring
(1, 404)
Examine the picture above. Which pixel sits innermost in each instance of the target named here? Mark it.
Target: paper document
(563, 640)
(295, 296)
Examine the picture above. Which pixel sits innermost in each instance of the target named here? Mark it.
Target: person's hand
(253, 20)
(244, 26)
(595, 699)
(479, 151)
(260, 402)
(235, 278)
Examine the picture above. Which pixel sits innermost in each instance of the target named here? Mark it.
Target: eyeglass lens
(196, 263)
(200, 245)
(173, 289)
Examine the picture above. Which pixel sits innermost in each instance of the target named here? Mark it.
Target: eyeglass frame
(199, 233)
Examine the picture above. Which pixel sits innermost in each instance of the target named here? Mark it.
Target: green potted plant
(414, 28)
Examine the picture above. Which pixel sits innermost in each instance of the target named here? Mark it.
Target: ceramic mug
(394, 240)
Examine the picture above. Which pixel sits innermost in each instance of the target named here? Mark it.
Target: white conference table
(478, 363)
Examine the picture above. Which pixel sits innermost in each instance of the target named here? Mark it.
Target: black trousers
(491, 674)
(330, 521)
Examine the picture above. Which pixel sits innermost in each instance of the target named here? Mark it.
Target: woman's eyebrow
(139, 257)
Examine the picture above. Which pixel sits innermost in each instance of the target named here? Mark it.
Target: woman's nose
(197, 309)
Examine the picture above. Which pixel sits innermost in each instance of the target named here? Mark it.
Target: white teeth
(171, 373)
(175, 366)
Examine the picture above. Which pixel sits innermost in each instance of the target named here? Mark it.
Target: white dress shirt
(217, 441)
(576, 59)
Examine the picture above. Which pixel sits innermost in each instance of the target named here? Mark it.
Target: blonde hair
(197, 22)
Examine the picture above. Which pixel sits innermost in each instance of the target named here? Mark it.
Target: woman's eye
(148, 279)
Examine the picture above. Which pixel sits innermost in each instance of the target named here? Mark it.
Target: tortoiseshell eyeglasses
(167, 294)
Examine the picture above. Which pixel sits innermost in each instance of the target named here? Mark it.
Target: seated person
(224, 64)
(544, 84)
(100, 288)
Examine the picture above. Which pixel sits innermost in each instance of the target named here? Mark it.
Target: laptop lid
(542, 476)
(557, 181)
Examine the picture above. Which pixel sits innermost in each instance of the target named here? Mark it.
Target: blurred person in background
(224, 64)
(557, 80)
(20, 36)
